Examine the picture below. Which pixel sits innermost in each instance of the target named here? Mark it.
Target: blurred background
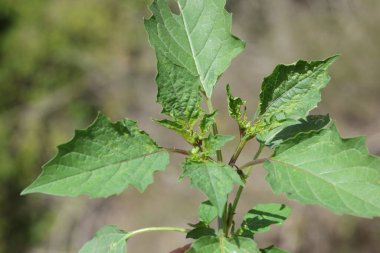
(61, 61)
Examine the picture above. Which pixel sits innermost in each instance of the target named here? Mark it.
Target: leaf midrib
(188, 35)
(97, 168)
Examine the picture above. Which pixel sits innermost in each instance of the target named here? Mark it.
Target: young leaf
(199, 40)
(273, 249)
(322, 168)
(178, 92)
(207, 212)
(215, 142)
(207, 121)
(289, 94)
(213, 179)
(108, 239)
(312, 123)
(260, 218)
(234, 109)
(180, 127)
(213, 244)
(102, 161)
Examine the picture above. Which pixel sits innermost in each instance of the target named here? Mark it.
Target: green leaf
(273, 249)
(234, 109)
(313, 123)
(322, 168)
(199, 232)
(288, 95)
(260, 218)
(207, 212)
(215, 142)
(199, 40)
(213, 244)
(102, 161)
(213, 179)
(187, 133)
(109, 239)
(178, 92)
(207, 121)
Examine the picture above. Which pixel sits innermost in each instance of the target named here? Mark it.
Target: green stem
(237, 152)
(255, 160)
(178, 151)
(219, 155)
(251, 163)
(155, 229)
(214, 129)
(232, 210)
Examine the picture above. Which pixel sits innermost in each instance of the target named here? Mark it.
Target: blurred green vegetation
(49, 53)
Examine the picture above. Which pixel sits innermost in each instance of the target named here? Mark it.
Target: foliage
(311, 162)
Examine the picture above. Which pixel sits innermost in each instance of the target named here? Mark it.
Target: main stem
(232, 210)
(219, 155)
(155, 229)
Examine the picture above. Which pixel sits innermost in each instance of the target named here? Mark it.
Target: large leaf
(322, 168)
(213, 244)
(199, 39)
(214, 179)
(108, 239)
(101, 161)
(289, 94)
(260, 218)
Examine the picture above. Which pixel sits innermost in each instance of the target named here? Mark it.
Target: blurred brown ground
(116, 76)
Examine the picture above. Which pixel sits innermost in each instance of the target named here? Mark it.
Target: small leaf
(234, 106)
(102, 161)
(108, 239)
(213, 244)
(313, 123)
(207, 212)
(199, 232)
(214, 179)
(322, 168)
(215, 142)
(207, 121)
(273, 249)
(260, 218)
(180, 127)
(199, 40)
(288, 95)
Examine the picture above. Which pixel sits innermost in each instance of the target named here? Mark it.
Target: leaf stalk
(155, 229)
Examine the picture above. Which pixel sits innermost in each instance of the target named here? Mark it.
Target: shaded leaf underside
(260, 218)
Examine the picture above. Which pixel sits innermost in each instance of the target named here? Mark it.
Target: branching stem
(253, 162)
(155, 229)
(237, 152)
(178, 151)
